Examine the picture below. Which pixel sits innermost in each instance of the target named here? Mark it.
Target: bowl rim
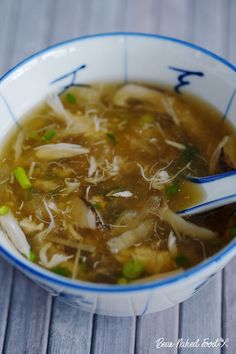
(44, 274)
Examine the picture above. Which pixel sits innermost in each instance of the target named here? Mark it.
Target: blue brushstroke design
(10, 111)
(184, 74)
(206, 179)
(72, 76)
(229, 104)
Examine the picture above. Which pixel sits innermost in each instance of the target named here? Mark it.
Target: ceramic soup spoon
(218, 189)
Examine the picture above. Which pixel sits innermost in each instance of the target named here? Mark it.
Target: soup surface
(92, 179)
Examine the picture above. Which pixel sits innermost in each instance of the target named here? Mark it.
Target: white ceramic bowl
(122, 57)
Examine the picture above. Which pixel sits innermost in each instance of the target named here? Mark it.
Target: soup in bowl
(96, 155)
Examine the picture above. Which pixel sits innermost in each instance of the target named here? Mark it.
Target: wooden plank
(231, 26)
(7, 33)
(229, 282)
(29, 313)
(9, 18)
(6, 276)
(154, 327)
(209, 27)
(28, 318)
(113, 335)
(107, 16)
(175, 19)
(142, 16)
(78, 13)
(200, 317)
(32, 30)
(229, 308)
(70, 330)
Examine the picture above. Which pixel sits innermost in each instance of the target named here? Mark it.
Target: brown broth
(122, 140)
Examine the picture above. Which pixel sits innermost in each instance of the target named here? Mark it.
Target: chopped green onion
(22, 178)
(4, 210)
(32, 256)
(61, 271)
(147, 118)
(96, 206)
(112, 138)
(122, 281)
(133, 269)
(181, 260)
(189, 153)
(49, 135)
(172, 189)
(71, 98)
(233, 231)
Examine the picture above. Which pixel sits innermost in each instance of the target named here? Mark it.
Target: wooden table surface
(31, 321)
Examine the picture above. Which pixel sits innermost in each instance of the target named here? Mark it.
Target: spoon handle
(219, 190)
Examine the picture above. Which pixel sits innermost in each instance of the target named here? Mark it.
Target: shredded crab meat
(106, 169)
(41, 235)
(160, 177)
(54, 102)
(168, 104)
(172, 247)
(96, 122)
(72, 185)
(74, 233)
(92, 166)
(97, 178)
(186, 227)
(216, 154)
(55, 260)
(73, 244)
(87, 192)
(31, 169)
(15, 234)
(160, 130)
(52, 206)
(175, 144)
(123, 194)
(113, 168)
(131, 237)
(4, 181)
(6, 241)
(29, 226)
(18, 146)
(59, 151)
